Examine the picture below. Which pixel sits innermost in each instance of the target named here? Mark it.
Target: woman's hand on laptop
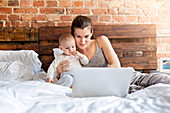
(62, 66)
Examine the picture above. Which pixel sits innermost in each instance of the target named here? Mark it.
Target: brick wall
(37, 13)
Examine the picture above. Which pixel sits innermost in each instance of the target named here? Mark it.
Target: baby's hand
(75, 53)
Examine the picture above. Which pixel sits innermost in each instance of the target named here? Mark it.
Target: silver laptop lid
(93, 82)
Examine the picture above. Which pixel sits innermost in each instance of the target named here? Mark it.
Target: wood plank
(119, 47)
(139, 62)
(18, 34)
(19, 47)
(46, 61)
(111, 31)
(126, 31)
(46, 49)
(52, 33)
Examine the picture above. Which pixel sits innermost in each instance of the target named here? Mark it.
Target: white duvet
(42, 97)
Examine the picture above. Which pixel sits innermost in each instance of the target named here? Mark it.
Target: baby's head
(67, 43)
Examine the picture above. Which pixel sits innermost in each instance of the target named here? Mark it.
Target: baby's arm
(51, 72)
(83, 59)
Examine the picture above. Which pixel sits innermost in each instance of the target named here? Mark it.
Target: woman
(100, 53)
(95, 50)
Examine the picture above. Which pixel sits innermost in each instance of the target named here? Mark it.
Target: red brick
(38, 3)
(161, 47)
(158, 40)
(163, 31)
(167, 4)
(64, 3)
(3, 17)
(53, 17)
(64, 24)
(150, 11)
(5, 10)
(27, 17)
(90, 4)
(129, 4)
(78, 11)
(103, 4)
(77, 4)
(52, 10)
(163, 11)
(112, 11)
(94, 18)
(120, 18)
(159, 19)
(24, 24)
(131, 19)
(25, 10)
(144, 19)
(42, 24)
(51, 3)
(26, 3)
(168, 47)
(116, 4)
(3, 2)
(66, 18)
(162, 40)
(15, 24)
(13, 3)
(163, 54)
(40, 18)
(13, 17)
(145, 4)
(130, 11)
(99, 11)
(105, 18)
(161, 26)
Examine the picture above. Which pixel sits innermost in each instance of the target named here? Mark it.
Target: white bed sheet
(42, 97)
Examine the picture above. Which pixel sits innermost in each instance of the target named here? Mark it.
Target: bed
(26, 54)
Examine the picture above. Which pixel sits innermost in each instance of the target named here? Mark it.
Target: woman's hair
(81, 22)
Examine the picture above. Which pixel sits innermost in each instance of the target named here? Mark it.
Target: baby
(67, 45)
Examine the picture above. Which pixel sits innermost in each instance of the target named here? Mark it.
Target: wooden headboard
(135, 45)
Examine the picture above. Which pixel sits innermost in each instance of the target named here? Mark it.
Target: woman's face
(82, 37)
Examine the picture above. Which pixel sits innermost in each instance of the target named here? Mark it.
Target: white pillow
(27, 57)
(14, 70)
(57, 51)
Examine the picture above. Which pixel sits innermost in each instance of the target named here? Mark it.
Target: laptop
(96, 82)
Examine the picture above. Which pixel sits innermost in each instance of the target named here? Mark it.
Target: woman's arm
(111, 56)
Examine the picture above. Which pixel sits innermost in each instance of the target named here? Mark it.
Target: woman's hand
(62, 66)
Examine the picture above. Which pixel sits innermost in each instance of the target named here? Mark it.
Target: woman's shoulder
(101, 40)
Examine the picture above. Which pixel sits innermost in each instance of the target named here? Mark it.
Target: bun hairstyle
(81, 22)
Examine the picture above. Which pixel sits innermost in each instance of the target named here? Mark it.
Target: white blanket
(42, 97)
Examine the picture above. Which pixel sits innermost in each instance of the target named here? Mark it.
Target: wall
(37, 13)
